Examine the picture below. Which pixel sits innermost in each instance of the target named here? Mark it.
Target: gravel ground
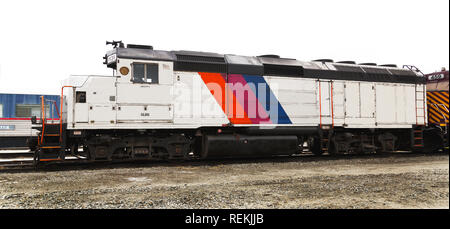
(372, 182)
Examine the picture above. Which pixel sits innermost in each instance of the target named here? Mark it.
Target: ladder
(417, 138)
(325, 141)
(49, 139)
(420, 111)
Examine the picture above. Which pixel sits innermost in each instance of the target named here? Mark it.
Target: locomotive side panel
(199, 100)
(338, 103)
(395, 105)
(145, 94)
(195, 101)
(298, 97)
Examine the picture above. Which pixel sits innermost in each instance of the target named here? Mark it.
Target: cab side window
(81, 97)
(139, 73)
(145, 73)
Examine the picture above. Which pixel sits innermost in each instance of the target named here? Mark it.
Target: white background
(43, 42)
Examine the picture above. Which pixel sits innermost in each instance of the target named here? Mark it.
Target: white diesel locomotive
(186, 105)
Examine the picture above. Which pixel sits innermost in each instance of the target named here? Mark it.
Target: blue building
(16, 111)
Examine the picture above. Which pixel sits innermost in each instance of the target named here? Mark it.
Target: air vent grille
(348, 68)
(199, 67)
(376, 71)
(282, 70)
(208, 59)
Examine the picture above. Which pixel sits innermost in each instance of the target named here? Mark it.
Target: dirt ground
(416, 181)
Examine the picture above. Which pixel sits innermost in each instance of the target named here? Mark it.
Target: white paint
(21, 128)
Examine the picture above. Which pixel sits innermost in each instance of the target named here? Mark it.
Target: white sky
(43, 42)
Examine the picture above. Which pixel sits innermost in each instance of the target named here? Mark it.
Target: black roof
(270, 65)
(143, 54)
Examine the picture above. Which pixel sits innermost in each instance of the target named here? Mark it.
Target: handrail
(56, 106)
(442, 113)
(52, 103)
(424, 87)
(413, 68)
(438, 107)
(442, 105)
(61, 116)
(42, 118)
(332, 105)
(320, 105)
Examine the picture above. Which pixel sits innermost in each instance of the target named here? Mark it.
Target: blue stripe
(282, 118)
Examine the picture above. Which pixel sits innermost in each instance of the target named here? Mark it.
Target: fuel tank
(215, 146)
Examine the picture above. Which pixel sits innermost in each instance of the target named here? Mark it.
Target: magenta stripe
(256, 112)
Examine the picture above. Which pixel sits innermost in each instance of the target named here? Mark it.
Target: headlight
(124, 71)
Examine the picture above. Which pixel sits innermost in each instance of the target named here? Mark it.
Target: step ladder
(417, 138)
(325, 141)
(49, 146)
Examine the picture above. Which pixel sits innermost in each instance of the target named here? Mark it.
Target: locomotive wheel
(62, 155)
(433, 141)
(36, 158)
(333, 147)
(315, 147)
(74, 149)
(90, 152)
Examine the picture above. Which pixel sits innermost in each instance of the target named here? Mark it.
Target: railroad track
(16, 159)
(23, 160)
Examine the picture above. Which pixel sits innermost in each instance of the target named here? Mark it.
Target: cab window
(145, 73)
(81, 97)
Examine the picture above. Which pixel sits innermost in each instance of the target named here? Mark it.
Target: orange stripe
(445, 99)
(437, 112)
(432, 96)
(433, 108)
(445, 93)
(437, 119)
(436, 98)
(215, 79)
(50, 147)
(436, 101)
(434, 119)
(50, 159)
(227, 97)
(432, 101)
(440, 94)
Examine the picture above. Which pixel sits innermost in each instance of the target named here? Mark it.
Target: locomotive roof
(271, 65)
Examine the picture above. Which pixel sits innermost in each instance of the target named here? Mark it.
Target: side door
(352, 102)
(325, 108)
(360, 103)
(100, 97)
